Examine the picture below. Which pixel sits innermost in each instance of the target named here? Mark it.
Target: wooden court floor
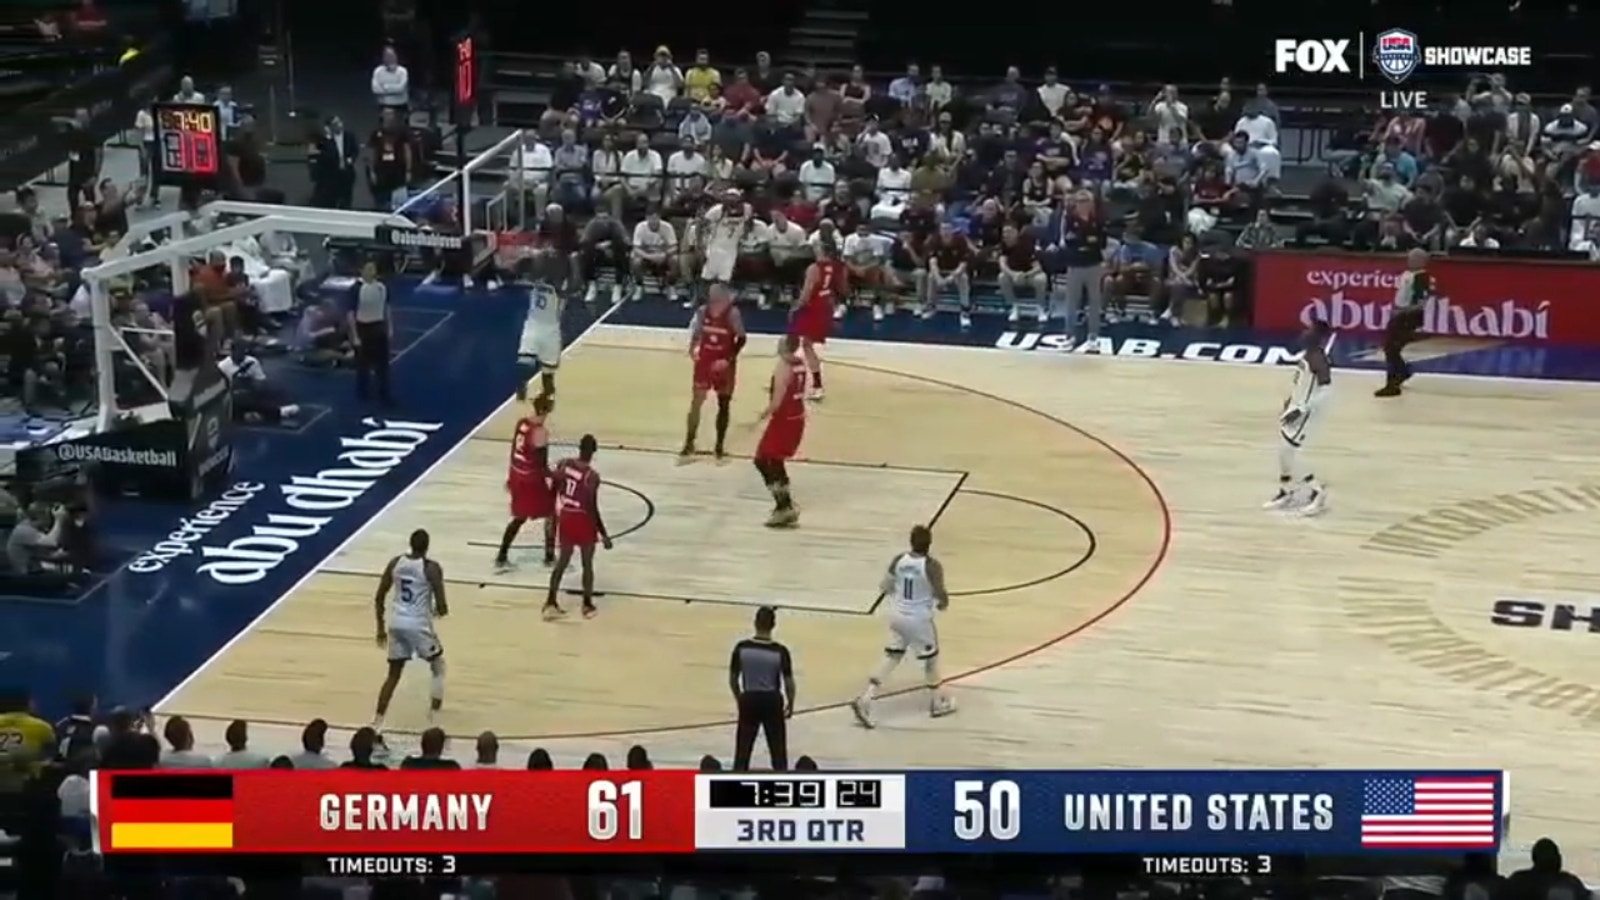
(1121, 599)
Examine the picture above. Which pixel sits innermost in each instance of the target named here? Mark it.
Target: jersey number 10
(610, 804)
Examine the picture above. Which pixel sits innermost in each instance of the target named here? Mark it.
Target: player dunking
(528, 483)
(578, 524)
(540, 350)
(1302, 412)
(914, 587)
(825, 284)
(715, 339)
(785, 418)
(410, 594)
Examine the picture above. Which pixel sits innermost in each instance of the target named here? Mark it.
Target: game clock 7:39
(188, 143)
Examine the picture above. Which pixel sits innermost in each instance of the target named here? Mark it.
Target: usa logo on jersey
(1396, 53)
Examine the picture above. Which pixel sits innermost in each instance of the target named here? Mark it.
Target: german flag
(171, 812)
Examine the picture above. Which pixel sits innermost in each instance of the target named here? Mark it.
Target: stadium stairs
(827, 34)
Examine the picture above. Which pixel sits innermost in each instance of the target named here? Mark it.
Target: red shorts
(576, 531)
(781, 439)
(530, 499)
(813, 321)
(707, 377)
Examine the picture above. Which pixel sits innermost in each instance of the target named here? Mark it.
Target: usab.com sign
(420, 240)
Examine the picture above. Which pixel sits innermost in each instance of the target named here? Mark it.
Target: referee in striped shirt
(761, 676)
(370, 329)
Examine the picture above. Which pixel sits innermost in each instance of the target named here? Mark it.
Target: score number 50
(988, 810)
(615, 808)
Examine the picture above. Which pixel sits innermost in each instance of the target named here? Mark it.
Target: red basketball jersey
(717, 334)
(830, 284)
(576, 483)
(526, 440)
(793, 403)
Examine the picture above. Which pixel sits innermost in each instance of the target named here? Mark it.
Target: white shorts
(543, 346)
(1301, 431)
(719, 264)
(413, 642)
(915, 633)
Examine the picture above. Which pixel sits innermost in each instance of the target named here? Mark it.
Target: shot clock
(188, 147)
(821, 812)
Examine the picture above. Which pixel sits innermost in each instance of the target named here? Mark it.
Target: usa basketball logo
(1396, 53)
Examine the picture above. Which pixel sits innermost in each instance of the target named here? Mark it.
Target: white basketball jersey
(913, 592)
(544, 316)
(1305, 383)
(411, 601)
(727, 225)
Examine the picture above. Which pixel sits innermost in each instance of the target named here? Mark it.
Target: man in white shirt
(790, 249)
(1262, 133)
(1172, 114)
(182, 755)
(686, 171)
(893, 190)
(535, 162)
(592, 73)
(1052, 94)
(186, 92)
(664, 79)
(938, 91)
(1586, 222)
(817, 176)
(754, 265)
(642, 170)
(866, 255)
(239, 756)
(654, 242)
(391, 83)
(876, 147)
(313, 739)
(787, 104)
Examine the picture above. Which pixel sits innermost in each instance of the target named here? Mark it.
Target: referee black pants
(761, 711)
(372, 359)
(1402, 330)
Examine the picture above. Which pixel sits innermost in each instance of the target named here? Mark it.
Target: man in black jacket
(333, 161)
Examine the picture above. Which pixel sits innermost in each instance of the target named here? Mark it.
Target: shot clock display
(188, 147)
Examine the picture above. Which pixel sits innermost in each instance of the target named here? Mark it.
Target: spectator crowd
(1057, 202)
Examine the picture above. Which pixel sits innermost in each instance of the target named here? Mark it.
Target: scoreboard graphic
(448, 822)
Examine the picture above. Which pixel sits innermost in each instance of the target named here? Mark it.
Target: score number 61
(988, 811)
(612, 804)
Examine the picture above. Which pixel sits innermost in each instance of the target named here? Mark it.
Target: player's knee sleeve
(527, 368)
(780, 473)
(436, 666)
(724, 405)
(761, 466)
(1286, 453)
(930, 672)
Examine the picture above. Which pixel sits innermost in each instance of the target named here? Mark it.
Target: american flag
(1444, 812)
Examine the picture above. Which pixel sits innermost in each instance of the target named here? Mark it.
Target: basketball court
(1121, 600)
